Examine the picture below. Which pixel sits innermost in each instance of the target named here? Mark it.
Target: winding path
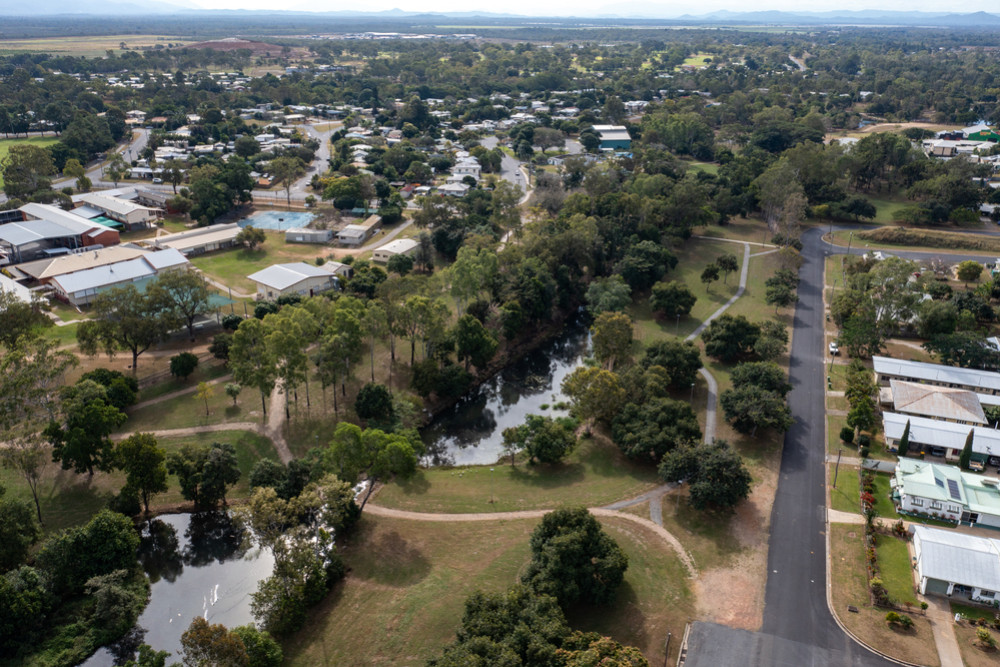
(390, 513)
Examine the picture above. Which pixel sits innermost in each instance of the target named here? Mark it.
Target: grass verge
(850, 587)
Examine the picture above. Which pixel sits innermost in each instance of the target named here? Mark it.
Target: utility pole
(836, 468)
(666, 649)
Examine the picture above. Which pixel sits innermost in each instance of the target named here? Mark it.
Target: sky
(602, 7)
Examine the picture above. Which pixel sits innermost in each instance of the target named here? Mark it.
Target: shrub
(985, 639)
(864, 440)
(847, 435)
(183, 364)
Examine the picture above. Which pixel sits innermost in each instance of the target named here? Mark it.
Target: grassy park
(595, 474)
(233, 266)
(425, 571)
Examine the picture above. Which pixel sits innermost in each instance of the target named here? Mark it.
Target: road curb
(826, 523)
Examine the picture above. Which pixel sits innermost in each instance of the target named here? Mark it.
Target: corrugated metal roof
(398, 246)
(49, 268)
(919, 370)
(165, 259)
(104, 276)
(954, 557)
(283, 276)
(32, 231)
(935, 482)
(55, 214)
(937, 433)
(87, 212)
(939, 402)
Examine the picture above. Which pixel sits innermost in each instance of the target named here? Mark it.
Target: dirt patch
(745, 577)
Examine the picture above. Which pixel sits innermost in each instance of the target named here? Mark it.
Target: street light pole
(836, 468)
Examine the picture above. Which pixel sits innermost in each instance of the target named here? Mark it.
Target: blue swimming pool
(277, 220)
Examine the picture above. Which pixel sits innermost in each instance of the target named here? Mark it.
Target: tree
(262, 649)
(588, 649)
(965, 349)
(400, 264)
(376, 326)
(779, 296)
(374, 403)
(183, 364)
(715, 473)
(26, 170)
(966, 456)
(251, 237)
(750, 407)
(18, 531)
(574, 560)
(81, 439)
(612, 338)
(673, 299)
(904, 441)
(764, 374)
(515, 627)
(205, 472)
(31, 373)
(648, 431)
(116, 604)
(205, 392)
(251, 361)
(246, 146)
(19, 318)
(173, 171)
(709, 275)
(144, 464)
(596, 393)
(116, 169)
(474, 343)
(682, 359)
(372, 454)
(727, 264)
(233, 390)
(546, 440)
(184, 294)
(969, 271)
(149, 658)
(123, 318)
(609, 294)
(206, 645)
(729, 338)
(285, 171)
(106, 544)
(645, 263)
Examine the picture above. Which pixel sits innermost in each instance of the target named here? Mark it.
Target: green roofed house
(945, 492)
(613, 137)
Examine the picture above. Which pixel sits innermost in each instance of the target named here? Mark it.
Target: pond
(471, 432)
(197, 566)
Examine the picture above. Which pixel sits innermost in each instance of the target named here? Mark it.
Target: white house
(453, 189)
(926, 433)
(293, 278)
(946, 492)
(981, 382)
(397, 247)
(353, 235)
(80, 287)
(948, 562)
(960, 406)
(467, 167)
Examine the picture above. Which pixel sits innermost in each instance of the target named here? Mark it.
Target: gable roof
(955, 557)
(919, 370)
(48, 268)
(283, 276)
(934, 401)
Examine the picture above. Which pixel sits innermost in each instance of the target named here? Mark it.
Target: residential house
(949, 563)
(959, 406)
(980, 382)
(397, 247)
(293, 278)
(946, 492)
(453, 189)
(129, 213)
(928, 433)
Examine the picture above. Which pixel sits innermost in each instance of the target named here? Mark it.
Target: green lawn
(231, 267)
(970, 611)
(707, 536)
(888, 208)
(850, 587)
(187, 410)
(65, 335)
(896, 568)
(5, 145)
(204, 372)
(707, 167)
(595, 474)
(845, 497)
(411, 596)
(695, 255)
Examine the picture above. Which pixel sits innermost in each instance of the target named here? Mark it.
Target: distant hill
(111, 8)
